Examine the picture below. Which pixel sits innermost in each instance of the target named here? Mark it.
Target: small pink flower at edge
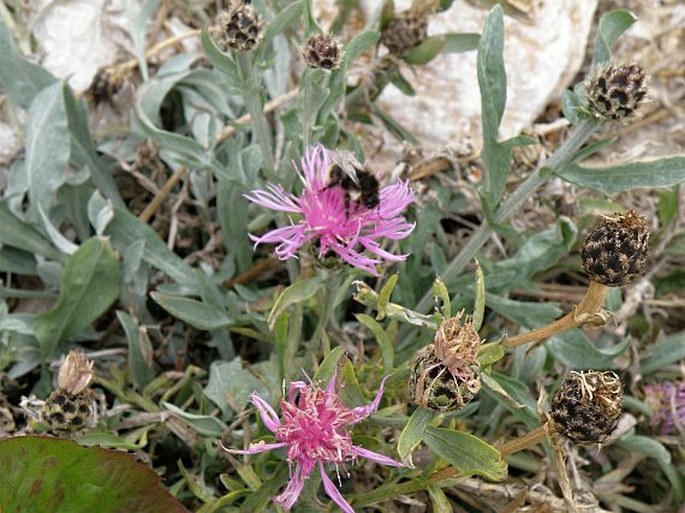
(314, 429)
(324, 216)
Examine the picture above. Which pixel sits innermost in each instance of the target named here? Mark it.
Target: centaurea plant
(324, 216)
(314, 428)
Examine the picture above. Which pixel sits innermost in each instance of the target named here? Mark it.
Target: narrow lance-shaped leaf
(611, 26)
(492, 81)
(412, 434)
(198, 314)
(90, 284)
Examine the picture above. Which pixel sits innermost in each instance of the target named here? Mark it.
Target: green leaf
(442, 298)
(139, 350)
(359, 43)
(198, 314)
(90, 284)
(230, 386)
(479, 304)
(524, 313)
(667, 351)
(439, 500)
(442, 43)
(383, 340)
(412, 434)
(384, 296)
(47, 147)
(492, 81)
(21, 235)
(611, 26)
(205, 425)
(513, 394)
(22, 79)
(490, 353)
(466, 452)
(669, 202)
(664, 172)
(647, 446)
(284, 19)
(328, 366)
(575, 350)
(48, 474)
(218, 59)
(295, 293)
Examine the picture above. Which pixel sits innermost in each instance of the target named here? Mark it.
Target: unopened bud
(405, 32)
(322, 51)
(615, 92)
(242, 26)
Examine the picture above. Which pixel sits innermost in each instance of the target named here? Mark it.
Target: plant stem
(586, 311)
(253, 103)
(562, 157)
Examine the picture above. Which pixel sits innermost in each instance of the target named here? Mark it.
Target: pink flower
(314, 430)
(327, 217)
(667, 402)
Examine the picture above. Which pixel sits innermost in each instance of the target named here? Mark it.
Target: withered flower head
(71, 406)
(105, 84)
(615, 252)
(242, 26)
(322, 51)
(616, 91)
(587, 407)
(446, 375)
(404, 32)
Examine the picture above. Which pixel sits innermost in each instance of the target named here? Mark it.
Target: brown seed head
(615, 92)
(322, 51)
(587, 407)
(446, 374)
(405, 32)
(615, 252)
(66, 413)
(242, 26)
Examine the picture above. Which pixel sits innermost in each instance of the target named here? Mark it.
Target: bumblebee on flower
(325, 216)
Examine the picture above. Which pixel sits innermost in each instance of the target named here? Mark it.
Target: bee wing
(348, 163)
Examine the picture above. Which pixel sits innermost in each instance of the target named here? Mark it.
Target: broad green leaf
(412, 434)
(139, 350)
(47, 147)
(611, 26)
(667, 351)
(645, 445)
(490, 353)
(328, 366)
(458, 43)
(442, 43)
(220, 60)
(16, 261)
(90, 284)
(230, 386)
(295, 293)
(205, 425)
(21, 80)
(466, 452)
(664, 172)
(575, 350)
(492, 81)
(524, 313)
(383, 340)
(198, 314)
(49, 474)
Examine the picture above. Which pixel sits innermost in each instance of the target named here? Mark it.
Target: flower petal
(361, 412)
(275, 198)
(269, 416)
(292, 492)
(374, 456)
(332, 491)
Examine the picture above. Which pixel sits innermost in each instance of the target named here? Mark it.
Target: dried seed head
(76, 373)
(322, 51)
(615, 92)
(405, 32)
(66, 413)
(587, 407)
(242, 26)
(446, 375)
(615, 252)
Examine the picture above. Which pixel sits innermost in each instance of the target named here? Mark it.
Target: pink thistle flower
(667, 402)
(336, 225)
(314, 428)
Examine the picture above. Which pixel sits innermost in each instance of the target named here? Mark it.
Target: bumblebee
(359, 184)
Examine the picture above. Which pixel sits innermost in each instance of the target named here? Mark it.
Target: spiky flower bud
(71, 406)
(446, 375)
(615, 92)
(587, 407)
(242, 26)
(615, 252)
(404, 32)
(322, 51)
